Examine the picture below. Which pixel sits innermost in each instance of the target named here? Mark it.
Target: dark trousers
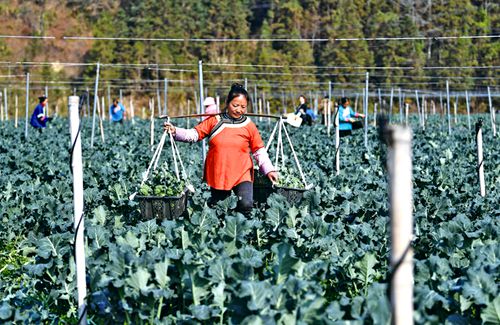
(244, 192)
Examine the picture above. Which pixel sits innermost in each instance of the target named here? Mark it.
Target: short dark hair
(116, 100)
(344, 100)
(235, 91)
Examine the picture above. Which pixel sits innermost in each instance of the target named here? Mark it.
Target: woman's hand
(273, 177)
(361, 115)
(167, 126)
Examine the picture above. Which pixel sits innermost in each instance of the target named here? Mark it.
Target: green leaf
(491, 314)
(161, 271)
(139, 279)
(259, 293)
(5, 311)
(284, 262)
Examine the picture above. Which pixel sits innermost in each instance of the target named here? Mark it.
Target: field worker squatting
(231, 137)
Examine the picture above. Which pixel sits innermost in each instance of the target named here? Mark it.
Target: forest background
(299, 62)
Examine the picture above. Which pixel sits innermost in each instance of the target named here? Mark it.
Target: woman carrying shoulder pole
(232, 136)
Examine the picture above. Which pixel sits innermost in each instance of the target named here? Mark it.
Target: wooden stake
(480, 159)
(100, 119)
(17, 111)
(492, 114)
(152, 126)
(375, 114)
(468, 108)
(399, 162)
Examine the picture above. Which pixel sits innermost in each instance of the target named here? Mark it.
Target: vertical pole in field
(283, 102)
(255, 98)
(399, 163)
(6, 103)
(152, 122)
(103, 105)
(390, 104)
(17, 111)
(109, 96)
(246, 84)
(455, 109)
(263, 103)
(337, 140)
(329, 116)
(202, 98)
(400, 100)
(418, 107)
(366, 110)
(441, 110)
(96, 99)
(27, 104)
(379, 100)
(467, 104)
(86, 111)
(217, 102)
(1, 106)
(356, 103)
(132, 110)
(77, 168)
(268, 112)
(448, 106)
(375, 114)
(47, 95)
(480, 158)
(100, 120)
(492, 113)
(165, 96)
(407, 108)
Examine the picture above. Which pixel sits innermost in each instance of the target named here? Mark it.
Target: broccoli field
(324, 260)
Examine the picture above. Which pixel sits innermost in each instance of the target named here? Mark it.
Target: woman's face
(237, 107)
(302, 100)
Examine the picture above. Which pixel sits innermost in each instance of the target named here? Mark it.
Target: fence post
(77, 168)
(468, 108)
(96, 99)
(480, 159)
(337, 140)
(202, 108)
(27, 104)
(47, 95)
(399, 163)
(165, 96)
(17, 111)
(6, 103)
(329, 116)
(390, 104)
(448, 106)
(492, 114)
(366, 110)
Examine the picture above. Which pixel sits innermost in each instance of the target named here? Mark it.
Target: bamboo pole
(390, 104)
(480, 158)
(337, 140)
(366, 109)
(152, 123)
(6, 104)
(467, 104)
(27, 104)
(17, 111)
(492, 114)
(407, 107)
(100, 120)
(399, 162)
(375, 114)
(132, 110)
(330, 93)
(103, 117)
(448, 106)
(96, 99)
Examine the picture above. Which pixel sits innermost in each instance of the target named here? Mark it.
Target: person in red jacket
(232, 136)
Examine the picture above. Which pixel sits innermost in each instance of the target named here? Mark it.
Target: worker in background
(210, 107)
(348, 119)
(117, 111)
(39, 117)
(305, 112)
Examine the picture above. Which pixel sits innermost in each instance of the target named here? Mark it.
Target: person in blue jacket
(347, 118)
(39, 117)
(117, 111)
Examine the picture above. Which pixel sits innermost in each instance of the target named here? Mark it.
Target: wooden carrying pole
(401, 206)
(77, 168)
(480, 158)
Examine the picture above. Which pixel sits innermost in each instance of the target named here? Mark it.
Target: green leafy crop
(162, 182)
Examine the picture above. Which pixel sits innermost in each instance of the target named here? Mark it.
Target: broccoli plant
(162, 182)
(287, 178)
